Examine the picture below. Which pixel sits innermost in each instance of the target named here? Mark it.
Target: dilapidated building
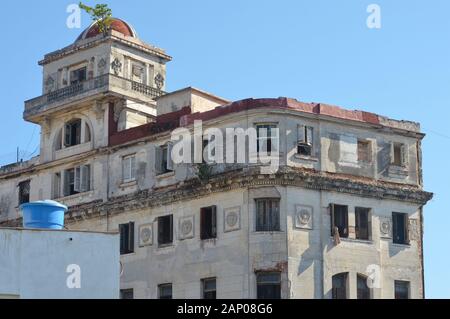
(342, 217)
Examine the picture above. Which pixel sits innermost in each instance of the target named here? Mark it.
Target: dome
(116, 25)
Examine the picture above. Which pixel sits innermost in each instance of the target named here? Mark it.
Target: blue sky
(319, 51)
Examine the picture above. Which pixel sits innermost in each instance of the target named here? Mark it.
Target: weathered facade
(345, 205)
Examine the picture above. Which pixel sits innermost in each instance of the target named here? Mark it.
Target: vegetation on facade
(100, 14)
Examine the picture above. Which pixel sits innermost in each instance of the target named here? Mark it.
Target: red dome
(116, 25)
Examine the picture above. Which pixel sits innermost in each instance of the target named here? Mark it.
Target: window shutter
(309, 135)
(67, 135)
(392, 153)
(214, 221)
(56, 185)
(160, 231)
(171, 228)
(202, 223)
(301, 138)
(407, 229)
(66, 181)
(85, 178)
(158, 160)
(77, 179)
(131, 237)
(133, 167)
(169, 157)
(404, 152)
(126, 168)
(262, 139)
(123, 238)
(331, 208)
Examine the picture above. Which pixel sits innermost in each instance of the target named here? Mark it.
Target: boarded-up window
(339, 286)
(339, 220)
(268, 285)
(126, 238)
(208, 222)
(363, 290)
(364, 153)
(400, 228)
(267, 214)
(165, 230)
(362, 223)
(401, 289)
(165, 291)
(24, 192)
(209, 288)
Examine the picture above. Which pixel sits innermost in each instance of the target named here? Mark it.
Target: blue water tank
(46, 214)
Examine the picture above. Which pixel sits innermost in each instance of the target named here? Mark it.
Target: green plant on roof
(100, 14)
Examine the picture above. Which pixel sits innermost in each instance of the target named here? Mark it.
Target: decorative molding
(116, 66)
(118, 107)
(231, 219)
(186, 227)
(146, 235)
(385, 227)
(159, 81)
(303, 218)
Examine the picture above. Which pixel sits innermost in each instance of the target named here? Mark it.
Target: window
(267, 138)
(364, 153)
(400, 228)
(399, 156)
(78, 76)
(339, 219)
(209, 288)
(126, 238)
(267, 214)
(72, 133)
(363, 290)
(77, 180)
(208, 222)
(165, 291)
(401, 289)
(268, 285)
(24, 192)
(362, 220)
(339, 286)
(163, 162)
(305, 140)
(126, 294)
(129, 168)
(165, 230)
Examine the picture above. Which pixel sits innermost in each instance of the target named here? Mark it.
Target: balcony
(98, 85)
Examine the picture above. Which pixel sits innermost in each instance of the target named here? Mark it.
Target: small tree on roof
(101, 14)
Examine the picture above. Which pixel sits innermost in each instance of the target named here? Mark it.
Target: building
(345, 205)
(42, 263)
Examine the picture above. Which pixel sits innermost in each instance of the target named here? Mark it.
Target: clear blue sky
(313, 50)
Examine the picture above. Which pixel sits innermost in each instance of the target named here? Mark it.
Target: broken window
(401, 289)
(268, 285)
(399, 154)
(78, 76)
(304, 140)
(339, 220)
(77, 180)
(165, 230)
(126, 238)
(363, 290)
(209, 288)
(165, 291)
(400, 228)
(267, 214)
(362, 223)
(72, 133)
(126, 294)
(364, 153)
(129, 168)
(208, 222)
(163, 160)
(24, 192)
(267, 138)
(339, 286)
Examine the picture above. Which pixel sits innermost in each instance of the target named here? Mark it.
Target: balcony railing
(100, 84)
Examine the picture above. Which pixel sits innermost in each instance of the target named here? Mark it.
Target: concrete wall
(33, 263)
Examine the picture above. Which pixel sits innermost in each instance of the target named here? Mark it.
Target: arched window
(73, 133)
(362, 287)
(340, 286)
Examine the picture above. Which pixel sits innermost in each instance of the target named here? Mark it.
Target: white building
(40, 263)
(226, 231)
